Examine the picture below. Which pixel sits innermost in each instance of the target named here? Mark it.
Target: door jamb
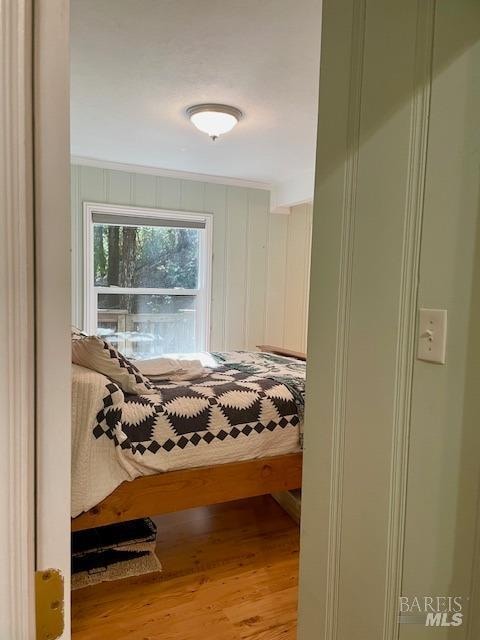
(17, 505)
(53, 288)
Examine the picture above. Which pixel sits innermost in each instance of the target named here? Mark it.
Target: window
(147, 275)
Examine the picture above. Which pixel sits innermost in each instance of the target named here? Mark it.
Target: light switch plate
(432, 335)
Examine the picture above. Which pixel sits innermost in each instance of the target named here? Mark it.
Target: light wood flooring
(230, 572)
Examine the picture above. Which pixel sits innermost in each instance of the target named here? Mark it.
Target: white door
(52, 249)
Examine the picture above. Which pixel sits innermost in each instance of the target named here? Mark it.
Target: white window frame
(203, 292)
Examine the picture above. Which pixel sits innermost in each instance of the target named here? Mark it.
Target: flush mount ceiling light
(214, 119)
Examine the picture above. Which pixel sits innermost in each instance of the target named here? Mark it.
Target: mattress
(245, 406)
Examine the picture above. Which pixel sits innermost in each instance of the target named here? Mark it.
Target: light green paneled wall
(442, 543)
(390, 501)
(251, 253)
(289, 278)
(299, 239)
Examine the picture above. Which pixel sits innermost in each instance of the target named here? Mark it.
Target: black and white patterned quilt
(225, 404)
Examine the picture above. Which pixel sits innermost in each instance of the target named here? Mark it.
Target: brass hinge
(49, 601)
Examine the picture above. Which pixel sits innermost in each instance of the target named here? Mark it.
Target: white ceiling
(137, 64)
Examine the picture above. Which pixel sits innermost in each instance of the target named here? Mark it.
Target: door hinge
(49, 604)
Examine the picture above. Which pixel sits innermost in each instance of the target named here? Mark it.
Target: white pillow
(96, 354)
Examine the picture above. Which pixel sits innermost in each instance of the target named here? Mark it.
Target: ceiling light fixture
(214, 119)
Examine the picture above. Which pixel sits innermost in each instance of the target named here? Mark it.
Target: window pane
(157, 257)
(144, 326)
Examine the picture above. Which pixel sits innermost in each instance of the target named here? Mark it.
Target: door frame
(17, 504)
(53, 288)
(35, 309)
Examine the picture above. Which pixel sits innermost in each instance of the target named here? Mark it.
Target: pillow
(94, 353)
(77, 334)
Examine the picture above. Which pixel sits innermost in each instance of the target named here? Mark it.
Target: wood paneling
(257, 245)
(276, 276)
(230, 572)
(186, 488)
(236, 267)
(288, 278)
(297, 277)
(216, 202)
(250, 256)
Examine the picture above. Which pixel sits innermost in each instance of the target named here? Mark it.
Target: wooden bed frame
(281, 351)
(201, 486)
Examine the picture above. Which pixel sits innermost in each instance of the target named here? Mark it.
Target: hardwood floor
(230, 572)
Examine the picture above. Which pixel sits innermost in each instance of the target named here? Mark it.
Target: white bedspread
(97, 470)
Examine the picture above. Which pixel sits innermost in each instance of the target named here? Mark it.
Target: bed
(235, 432)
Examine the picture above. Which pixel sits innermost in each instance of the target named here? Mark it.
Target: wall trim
(170, 173)
(406, 340)
(17, 606)
(343, 320)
